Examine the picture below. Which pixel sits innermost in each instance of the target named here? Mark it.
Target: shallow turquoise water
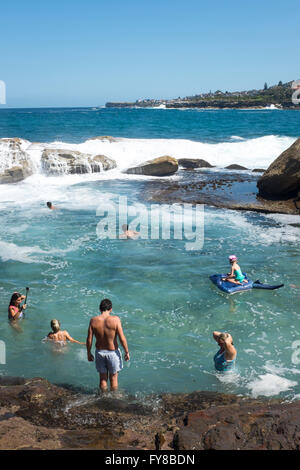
(160, 290)
(162, 293)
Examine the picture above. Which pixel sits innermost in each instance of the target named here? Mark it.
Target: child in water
(235, 276)
(59, 335)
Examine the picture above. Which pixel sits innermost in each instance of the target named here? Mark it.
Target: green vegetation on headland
(278, 95)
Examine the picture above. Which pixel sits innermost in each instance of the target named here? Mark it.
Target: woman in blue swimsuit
(225, 358)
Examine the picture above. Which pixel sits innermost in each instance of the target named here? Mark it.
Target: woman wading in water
(15, 310)
(60, 336)
(225, 358)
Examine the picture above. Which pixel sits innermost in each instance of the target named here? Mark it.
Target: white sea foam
(11, 251)
(270, 385)
(252, 153)
(271, 234)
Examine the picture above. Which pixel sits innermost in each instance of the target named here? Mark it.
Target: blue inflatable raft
(231, 288)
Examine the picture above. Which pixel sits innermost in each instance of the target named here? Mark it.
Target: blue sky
(87, 52)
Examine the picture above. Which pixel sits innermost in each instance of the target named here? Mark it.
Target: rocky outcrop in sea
(60, 161)
(282, 178)
(15, 164)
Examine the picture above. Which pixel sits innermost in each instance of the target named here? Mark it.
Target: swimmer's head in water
(105, 305)
(55, 325)
(49, 204)
(124, 227)
(232, 258)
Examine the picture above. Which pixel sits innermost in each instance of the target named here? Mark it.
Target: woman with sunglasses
(15, 310)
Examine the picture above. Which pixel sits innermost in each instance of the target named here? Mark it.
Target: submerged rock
(162, 166)
(60, 161)
(194, 163)
(15, 163)
(234, 166)
(282, 178)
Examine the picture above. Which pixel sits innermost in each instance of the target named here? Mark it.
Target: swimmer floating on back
(235, 276)
(59, 335)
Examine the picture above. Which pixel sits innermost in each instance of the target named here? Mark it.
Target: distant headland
(273, 97)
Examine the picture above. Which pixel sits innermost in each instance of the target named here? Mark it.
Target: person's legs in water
(103, 381)
(113, 381)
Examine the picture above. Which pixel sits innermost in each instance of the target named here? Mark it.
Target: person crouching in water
(225, 358)
(59, 335)
(15, 310)
(235, 276)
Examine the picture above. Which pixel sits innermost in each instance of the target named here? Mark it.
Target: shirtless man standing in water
(107, 329)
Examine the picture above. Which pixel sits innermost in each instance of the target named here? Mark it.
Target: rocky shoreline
(36, 414)
(230, 190)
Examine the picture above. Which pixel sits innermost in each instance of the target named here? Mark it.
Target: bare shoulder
(113, 320)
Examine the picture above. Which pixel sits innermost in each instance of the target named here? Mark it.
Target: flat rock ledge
(36, 414)
(223, 190)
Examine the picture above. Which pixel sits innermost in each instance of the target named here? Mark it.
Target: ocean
(159, 288)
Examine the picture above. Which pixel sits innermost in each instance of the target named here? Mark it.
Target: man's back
(105, 329)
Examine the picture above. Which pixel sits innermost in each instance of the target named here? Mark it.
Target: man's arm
(89, 342)
(123, 340)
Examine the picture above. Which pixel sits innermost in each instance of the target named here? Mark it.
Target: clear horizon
(75, 54)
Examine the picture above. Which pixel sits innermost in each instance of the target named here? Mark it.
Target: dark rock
(282, 178)
(258, 170)
(243, 427)
(234, 190)
(35, 414)
(236, 167)
(162, 166)
(194, 163)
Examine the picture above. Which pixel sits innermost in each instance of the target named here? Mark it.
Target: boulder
(161, 166)
(101, 161)
(282, 178)
(236, 167)
(258, 170)
(60, 161)
(194, 163)
(15, 163)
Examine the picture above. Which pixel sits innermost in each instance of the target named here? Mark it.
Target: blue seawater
(160, 290)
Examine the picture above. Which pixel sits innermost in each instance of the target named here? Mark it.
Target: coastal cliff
(277, 97)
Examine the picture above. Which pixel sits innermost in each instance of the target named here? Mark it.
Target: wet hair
(105, 305)
(224, 336)
(55, 325)
(124, 227)
(49, 204)
(14, 297)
